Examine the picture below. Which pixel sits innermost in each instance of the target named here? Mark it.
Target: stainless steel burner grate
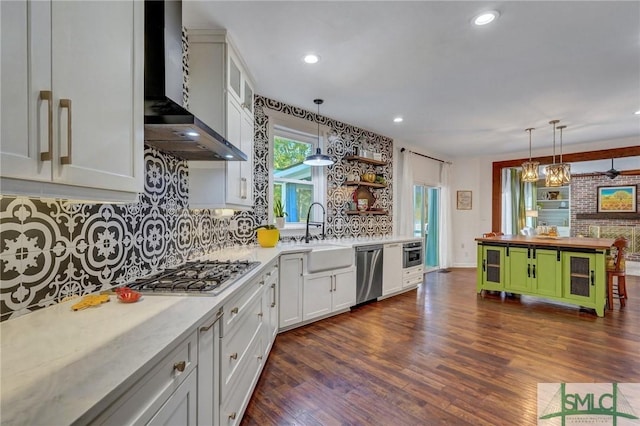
(194, 278)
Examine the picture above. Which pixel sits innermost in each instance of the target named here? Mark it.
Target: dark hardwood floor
(443, 355)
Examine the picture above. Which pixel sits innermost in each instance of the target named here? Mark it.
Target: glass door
(426, 214)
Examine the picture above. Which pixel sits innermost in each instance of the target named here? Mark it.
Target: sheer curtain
(446, 253)
(405, 206)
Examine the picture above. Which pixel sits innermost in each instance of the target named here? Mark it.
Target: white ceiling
(463, 90)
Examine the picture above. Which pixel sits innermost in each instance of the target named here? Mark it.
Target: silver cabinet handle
(47, 95)
(273, 287)
(66, 103)
(243, 188)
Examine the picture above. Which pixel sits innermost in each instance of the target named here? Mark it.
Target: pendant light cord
(554, 122)
(529, 130)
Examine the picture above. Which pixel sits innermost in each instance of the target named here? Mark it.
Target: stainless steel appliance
(368, 273)
(411, 254)
(168, 126)
(194, 278)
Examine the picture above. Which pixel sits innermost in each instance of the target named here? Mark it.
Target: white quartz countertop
(60, 366)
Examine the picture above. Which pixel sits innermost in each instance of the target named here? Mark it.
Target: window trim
(280, 122)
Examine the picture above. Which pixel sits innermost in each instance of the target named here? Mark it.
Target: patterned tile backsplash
(52, 249)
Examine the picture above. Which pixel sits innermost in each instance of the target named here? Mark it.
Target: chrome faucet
(307, 236)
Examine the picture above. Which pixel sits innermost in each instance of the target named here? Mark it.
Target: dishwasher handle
(369, 248)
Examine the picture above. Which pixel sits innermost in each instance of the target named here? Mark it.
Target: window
(295, 184)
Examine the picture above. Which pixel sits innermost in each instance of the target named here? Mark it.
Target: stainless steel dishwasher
(368, 273)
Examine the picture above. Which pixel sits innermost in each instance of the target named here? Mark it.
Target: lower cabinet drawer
(238, 304)
(140, 403)
(236, 394)
(181, 407)
(235, 344)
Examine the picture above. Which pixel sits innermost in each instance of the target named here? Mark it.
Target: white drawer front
(145, 398)
(234, 309)
(236, 342)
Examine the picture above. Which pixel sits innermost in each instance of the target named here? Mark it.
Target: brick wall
(584, 198)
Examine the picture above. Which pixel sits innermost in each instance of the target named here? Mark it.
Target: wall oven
(411, 254)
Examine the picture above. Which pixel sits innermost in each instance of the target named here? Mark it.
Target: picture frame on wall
(464, 200)
(617, 199)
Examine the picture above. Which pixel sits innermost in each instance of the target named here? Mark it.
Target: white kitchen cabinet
(328, 292)
(72, 128)
(209, 370)
(242, 348)
(270, 305)
(158, 395)
(181, 407)
(412, 277)
(290, 294)
(391, 269)
(221, 94)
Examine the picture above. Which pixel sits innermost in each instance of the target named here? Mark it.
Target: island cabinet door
(547, 273)
(492, 268)
(519, 268)
(579, 277)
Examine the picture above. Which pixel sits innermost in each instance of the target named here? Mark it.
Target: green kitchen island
(570, 270)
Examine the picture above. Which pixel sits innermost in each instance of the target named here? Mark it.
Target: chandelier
(557, 174)
(530, 168)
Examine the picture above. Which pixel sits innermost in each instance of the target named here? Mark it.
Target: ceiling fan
(612, 173)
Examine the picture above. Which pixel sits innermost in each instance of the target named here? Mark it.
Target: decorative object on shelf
(368, 177)
(530, 168)
(318, 159)
(617, 199)
(463, 200)
(363, 192)
(557, 174)
(377, 156)
(268, 235)
(553, 195)
(279, 213)
(363, 204)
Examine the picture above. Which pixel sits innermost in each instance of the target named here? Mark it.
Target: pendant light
(565, 167)
(318, 159)
(554, 172)
(530, 168)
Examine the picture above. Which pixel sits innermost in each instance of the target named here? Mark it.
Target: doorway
(426, 223)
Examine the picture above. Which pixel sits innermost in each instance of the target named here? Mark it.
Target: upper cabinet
(72, 99)
(221, 94)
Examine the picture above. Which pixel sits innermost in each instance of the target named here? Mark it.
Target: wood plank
(443, 355)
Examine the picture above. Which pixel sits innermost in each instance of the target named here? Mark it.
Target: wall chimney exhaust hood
(168, 126)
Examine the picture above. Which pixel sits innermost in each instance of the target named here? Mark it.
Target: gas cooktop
(195, 278)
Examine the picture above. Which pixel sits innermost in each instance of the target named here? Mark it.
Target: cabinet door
(391, 269)
(209, 370)
(578, 275)
(493, 268)
(236, 182)
(180, 408)
(344, 290)
(316, 295)
(98, 102)
(25, 37)
(519, 269)
(290, 295)
(547, 273)
(270, 306)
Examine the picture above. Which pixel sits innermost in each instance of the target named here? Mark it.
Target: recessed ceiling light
(311, 58)
(486, 17)
(398, 120)
(637, 112)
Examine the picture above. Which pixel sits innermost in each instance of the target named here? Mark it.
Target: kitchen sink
(325, 257)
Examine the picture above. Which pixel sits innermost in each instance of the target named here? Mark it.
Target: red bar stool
(616, 268)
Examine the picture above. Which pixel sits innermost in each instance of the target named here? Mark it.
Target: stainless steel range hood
(168, 126)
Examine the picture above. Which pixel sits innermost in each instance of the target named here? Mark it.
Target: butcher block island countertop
(542, 241)
(566, 269)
